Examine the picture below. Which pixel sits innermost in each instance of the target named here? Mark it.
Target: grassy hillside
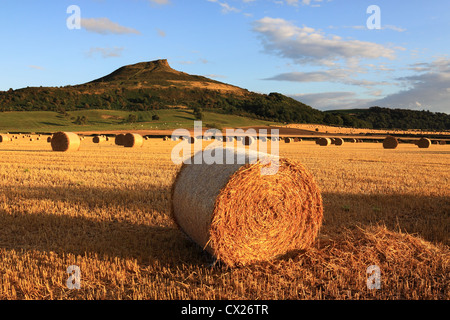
(97, 120)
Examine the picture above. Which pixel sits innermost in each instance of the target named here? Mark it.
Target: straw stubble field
(107, 210)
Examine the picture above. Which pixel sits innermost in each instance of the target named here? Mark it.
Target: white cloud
(331, 100)
(105, 26)
(226, 8)
(428, 89)
(160, 2)
(36, 67)
(307, 45)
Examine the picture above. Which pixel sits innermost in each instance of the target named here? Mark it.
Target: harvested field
(107, 210)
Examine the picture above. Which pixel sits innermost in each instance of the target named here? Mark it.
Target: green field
(47, 121)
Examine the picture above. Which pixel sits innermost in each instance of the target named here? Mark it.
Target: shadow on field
(118, 237)
(426, 216)
(30, 226)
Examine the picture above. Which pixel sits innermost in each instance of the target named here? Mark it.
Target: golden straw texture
(241, 216)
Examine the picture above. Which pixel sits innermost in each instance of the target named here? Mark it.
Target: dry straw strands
(424, 143)
(390, 142)
(65, 141)
(324, 142)
(241, 216)
(133, 140)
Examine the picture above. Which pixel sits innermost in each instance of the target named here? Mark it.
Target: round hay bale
(4, 138)
(247, 141)
(390, 142)
(241, 216)
(164, 139)
(98, 139)
(442, 142)
(49, 139)
(120, 139)
(324, 142)
(352, 140)
(338, 141)
(65, 142)
(133, 140)
(191, 140)
(424, 143)
(287, 140)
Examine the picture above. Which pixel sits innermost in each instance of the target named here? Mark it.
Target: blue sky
(320, 52)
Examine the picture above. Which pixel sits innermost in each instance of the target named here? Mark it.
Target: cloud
(332, 75)
(160, 2)
(226, 8)
(307, 45)
(161, 33)
(105, 26)
(106, 52)
(35, 67)
(428, 90)
(331, 100)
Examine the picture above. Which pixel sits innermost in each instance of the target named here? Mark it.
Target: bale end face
(390, 142)
(241, 216)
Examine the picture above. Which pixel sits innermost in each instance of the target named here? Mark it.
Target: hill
(155, 85)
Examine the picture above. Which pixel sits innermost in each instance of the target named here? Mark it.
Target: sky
(329, 54)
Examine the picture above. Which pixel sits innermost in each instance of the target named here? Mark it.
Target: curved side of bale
(390, 142)
(424, 143)
(338, 141)
(133, 140)
(65, 142)
(237, 214)
(324, 142)
(287, 140)
(120, 139)
(4, 138)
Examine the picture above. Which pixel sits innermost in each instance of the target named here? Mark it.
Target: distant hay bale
(324, 142)
(65, 142)
(241, 216)
(424, 143)
(247, 141)
(287, 140)
(133, 140)
(442, 142)
(338, 141)
(99, 139)
(333, 140)
(4, 138)
(390, 142)
(164, 139)
(120, 139)
(49, 139)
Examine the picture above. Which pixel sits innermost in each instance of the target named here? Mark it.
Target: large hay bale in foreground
(390, 142)
(241, 216)
(133, 140)
(424, 143)
(120, 139)
(324, 142)
(65, 142)
(4, 138)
